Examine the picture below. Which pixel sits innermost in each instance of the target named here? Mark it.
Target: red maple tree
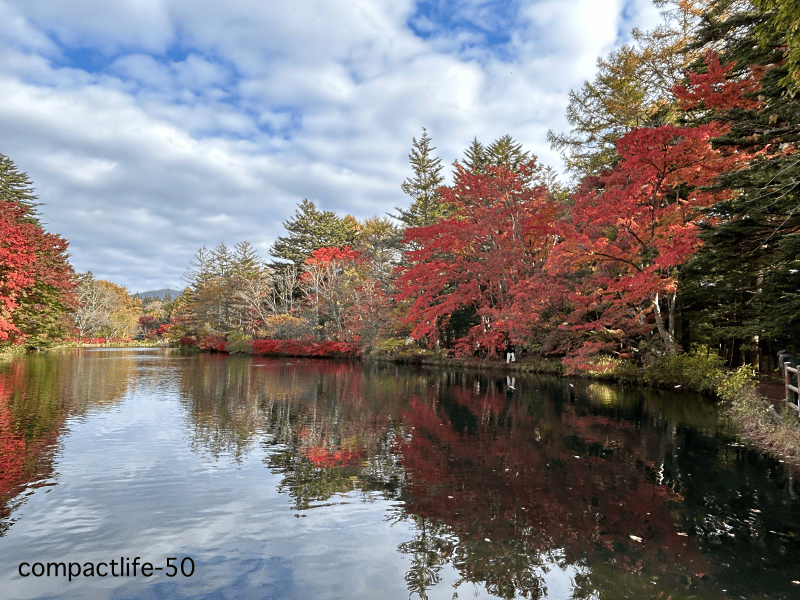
(632, 228)
(36, 281)
(498, 235)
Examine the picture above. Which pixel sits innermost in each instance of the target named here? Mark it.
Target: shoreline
(749, 403)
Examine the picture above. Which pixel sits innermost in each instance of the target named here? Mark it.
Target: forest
(677, 232)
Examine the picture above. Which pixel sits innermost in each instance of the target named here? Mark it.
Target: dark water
(325, 480)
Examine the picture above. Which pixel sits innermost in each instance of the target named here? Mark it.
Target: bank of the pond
(11, 351)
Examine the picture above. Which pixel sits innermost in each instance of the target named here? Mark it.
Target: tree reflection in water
(503, 494)
(512, 486)
(503, 488)
(37, 394)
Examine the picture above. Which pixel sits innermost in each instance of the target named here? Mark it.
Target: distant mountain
(160, 294)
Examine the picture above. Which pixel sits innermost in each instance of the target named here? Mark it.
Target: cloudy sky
(151, 128)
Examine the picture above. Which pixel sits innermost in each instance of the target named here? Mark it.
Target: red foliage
(326, 255)
(35, 277)
(713, 90)
(20, 454)
(17, 256)
(498, 483)
(499, 234)
(304, 348)
(213, 343)
(324, 458)
(631, 236)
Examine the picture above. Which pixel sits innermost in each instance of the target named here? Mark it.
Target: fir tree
(746, 278)
(476, 158)
(426, 207)
(783, 22)
(309, 230)
(506, 152)
(16, 186)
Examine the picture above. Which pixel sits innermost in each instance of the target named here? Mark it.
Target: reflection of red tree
(20, 455)
(328, 458)
(12, 445)
(501, 482)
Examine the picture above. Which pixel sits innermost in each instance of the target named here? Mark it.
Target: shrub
(188, 341)
(215, 343)
(238, 343)
(698, 371)
(304, 348)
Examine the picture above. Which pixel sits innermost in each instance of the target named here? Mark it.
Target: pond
(143, 473)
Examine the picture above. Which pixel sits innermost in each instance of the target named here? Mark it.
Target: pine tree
(16, 186)
(506, 152)
(783, 22)
(309, 230)
(427, 207)
(746, 278)
(476, 158)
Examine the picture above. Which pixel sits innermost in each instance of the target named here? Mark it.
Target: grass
(758, 422)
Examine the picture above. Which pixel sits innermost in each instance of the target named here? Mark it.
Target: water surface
(319, 479)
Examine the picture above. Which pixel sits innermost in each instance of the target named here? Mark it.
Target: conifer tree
(247, 263)
(476, 158)
(745, 280)
(16, 186)
(506, 152)
(783, 19)
(632, 88)
(309, 230)
(36, 279)
(427, 207)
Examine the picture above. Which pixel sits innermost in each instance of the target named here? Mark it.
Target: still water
(259, 478)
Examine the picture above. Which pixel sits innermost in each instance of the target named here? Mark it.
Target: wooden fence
(788, 370)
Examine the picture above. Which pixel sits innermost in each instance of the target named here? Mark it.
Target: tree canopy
(36, 279)
(309, 230)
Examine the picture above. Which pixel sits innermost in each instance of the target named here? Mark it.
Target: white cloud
(193, 124)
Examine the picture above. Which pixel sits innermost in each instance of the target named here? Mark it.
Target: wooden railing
(787, 379)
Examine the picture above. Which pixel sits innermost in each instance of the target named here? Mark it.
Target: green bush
(238, 343)
(698, 371)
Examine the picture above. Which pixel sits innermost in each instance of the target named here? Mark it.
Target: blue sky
(151, 128)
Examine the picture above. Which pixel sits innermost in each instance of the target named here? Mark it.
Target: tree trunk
(666, 332)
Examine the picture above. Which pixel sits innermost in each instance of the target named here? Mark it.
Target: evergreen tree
(36, 279)
(632, 88)
(783, 22)
(476, 158)
(505, 152)
(309, 230)
(427, 207)
(247, 263)
(16, 186)
(745, 282)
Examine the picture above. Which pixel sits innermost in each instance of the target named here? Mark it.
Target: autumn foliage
(499, 234)
(17, 256)
(36, 281)
(305, 348)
